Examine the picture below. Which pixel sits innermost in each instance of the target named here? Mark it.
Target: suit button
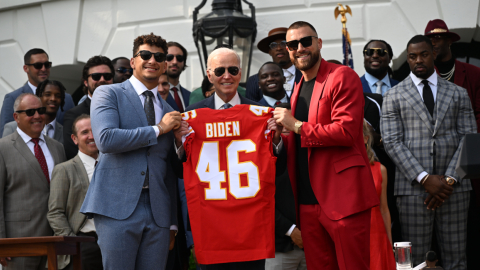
(143, 173)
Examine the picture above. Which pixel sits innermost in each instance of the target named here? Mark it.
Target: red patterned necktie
(278, 102)
(41, 158)
(177, 99)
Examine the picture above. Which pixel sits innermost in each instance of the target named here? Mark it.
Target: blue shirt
(372, 82)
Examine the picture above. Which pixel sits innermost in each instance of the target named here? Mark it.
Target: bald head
(221, 52)
(224, 72)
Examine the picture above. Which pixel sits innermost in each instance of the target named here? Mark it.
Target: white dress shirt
(286, 73)
(51, 131)
(271, 101)
(33, 87)
(179, 91)
(48, 156)
(157, 105)
(219, 102)
(89, 164)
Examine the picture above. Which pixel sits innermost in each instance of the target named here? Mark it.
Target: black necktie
(428, 97)
(150, 113)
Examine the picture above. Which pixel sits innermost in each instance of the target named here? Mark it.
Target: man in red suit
(327, 161)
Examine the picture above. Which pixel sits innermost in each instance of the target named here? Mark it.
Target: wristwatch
(298, 127)
(449, 180)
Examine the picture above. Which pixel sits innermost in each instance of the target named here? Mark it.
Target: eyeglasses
(178, 56)
(125, 70)
(274, 45)
(146, 55)
(305, 41)
(98, 76)
(31, 112)
(39, 65)
(220, 70)
(381, 52)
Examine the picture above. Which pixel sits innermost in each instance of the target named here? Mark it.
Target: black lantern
(225, 25)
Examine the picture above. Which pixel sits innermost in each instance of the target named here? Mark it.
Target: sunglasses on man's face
(305, 41)
(125, 70)
(39, 65)
(381, 52)
(221, 70)
(31, 112)
(146, 55)
(178, 56)
(275, 45)
(98, 76)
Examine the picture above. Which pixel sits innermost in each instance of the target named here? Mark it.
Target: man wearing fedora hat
(275, 45)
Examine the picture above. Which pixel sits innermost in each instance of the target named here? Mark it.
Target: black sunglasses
(178, 56)
(274, 45)
(98, 76)
(39, 65)
(305, 41)
(381, 52)
(31, 112)
(125, 70)
(146, 55)
(220, 70)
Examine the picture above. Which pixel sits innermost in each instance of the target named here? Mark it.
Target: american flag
(347, 50)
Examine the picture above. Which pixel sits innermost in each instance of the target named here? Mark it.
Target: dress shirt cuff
(180, 151)
(157, 130)
(452, 178)
(173, 228)
(278, 147)
(289, 232)
(420, 176)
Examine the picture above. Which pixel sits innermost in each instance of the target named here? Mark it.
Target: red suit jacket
(338, 164)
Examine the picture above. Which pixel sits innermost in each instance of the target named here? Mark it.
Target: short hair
(389, 48)
(206, 84)
(28, 55)
(419, 39)
(185, 54)
(96, 60)
(20, 98)
(114, 61)
(431, 256)
(74, 125)
(151, 40)
(299, 24)
(41, 88)
(220, 50)
(271, 63)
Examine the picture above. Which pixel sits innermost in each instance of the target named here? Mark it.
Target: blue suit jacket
(253, 91)
(366, 87)
(186, 98)
(6, 115)
(128, 145)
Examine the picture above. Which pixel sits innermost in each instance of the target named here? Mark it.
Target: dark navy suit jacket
(210, 103)
(6, 114)
(186, 97)
(366, 87)
(253, 91)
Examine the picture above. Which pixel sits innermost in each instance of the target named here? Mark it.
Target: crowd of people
(308, 166)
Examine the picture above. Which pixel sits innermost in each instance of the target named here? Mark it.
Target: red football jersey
(230, 183)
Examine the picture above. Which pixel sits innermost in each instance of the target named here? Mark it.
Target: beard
(91, 89)
(314, 56)
(174, 74)
(376, 72)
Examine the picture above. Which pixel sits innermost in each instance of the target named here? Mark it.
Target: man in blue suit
(274, 45)
(132, 195)
(377, 55)
(37, 67)
(176, 64)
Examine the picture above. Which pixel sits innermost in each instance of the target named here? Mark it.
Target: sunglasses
(305, 41)
(125, 70)
(98, 76)
(31, 112)
(220, 70)
(146, 55)
(436, 38)
(274, 45)
(178, 56)
(40, 65)
(381, 52)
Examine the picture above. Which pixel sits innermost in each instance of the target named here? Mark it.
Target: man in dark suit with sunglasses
(123, 70)
(97, 71)
(37, 66)
(176, 64)
(327, 161)
(274, 45)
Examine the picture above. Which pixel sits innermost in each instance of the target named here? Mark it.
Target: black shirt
(305, 191)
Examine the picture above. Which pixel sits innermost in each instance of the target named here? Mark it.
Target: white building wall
(71, 31)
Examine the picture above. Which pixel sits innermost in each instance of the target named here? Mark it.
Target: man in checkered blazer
(424, 121)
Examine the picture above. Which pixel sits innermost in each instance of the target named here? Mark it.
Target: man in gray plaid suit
(424, 121)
